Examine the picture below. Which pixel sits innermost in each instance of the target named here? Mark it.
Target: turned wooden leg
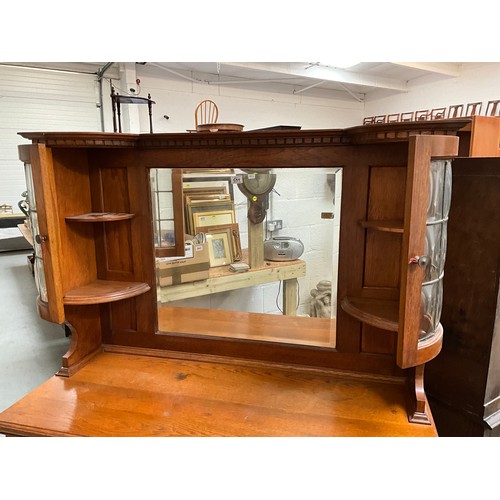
(418, 406)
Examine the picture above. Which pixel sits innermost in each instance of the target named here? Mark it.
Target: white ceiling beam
(324, 73)
(447, 69)
(195, 80)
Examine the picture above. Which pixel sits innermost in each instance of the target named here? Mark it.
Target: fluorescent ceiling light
(340, 64)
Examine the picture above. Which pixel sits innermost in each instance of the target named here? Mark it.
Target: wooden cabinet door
(422, 149)
(48, 236)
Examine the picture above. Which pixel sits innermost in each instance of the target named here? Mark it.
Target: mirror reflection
(248, 253)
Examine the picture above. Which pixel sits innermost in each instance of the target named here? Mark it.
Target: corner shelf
(100, 217)
(387, 226)
(382, 314)
(103, 291)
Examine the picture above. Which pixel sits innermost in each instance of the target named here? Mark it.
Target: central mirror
(247, 253)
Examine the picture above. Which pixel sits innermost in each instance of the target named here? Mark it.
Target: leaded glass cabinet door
(428, 196)
(38, 267)
(44, 213)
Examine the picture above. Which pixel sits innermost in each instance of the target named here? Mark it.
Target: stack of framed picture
(209, 210)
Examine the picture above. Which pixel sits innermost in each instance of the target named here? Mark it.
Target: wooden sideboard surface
(139, 395)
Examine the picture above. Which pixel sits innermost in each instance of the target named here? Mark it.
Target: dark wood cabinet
(463, 382)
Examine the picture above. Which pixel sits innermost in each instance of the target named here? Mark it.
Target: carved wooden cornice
(82, 139)
(402, 131)
(364, 134)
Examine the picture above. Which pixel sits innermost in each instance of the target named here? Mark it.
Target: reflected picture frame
(206, 206)
(234, 233)
(204, 219)
(219, 248)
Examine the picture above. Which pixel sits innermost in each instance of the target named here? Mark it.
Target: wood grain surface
(130, 395)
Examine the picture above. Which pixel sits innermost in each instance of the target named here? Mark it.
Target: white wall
(300, 196)
(476, 82)
(177, 98)
(39, 100)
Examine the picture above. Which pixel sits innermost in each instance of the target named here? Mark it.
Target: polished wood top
(136, 395)
(362, 134)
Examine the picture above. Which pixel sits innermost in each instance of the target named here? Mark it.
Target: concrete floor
(30, 348)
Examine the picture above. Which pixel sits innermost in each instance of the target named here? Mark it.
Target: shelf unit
(383, 314)
(104, 291)
(99, 217)
(388, 226)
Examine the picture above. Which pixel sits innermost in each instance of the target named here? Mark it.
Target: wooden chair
(206, 112)
(493, 108)
(407, 117)
(437, 113)
(368, 120)
(395, 117)
(422, 115)
(455, 111)
(380, 119)
(473, 108)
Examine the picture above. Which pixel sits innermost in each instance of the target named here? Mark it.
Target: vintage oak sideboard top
(99, 279)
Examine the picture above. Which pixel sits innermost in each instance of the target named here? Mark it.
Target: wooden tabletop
(134, 395)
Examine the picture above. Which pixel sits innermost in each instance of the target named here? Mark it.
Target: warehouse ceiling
(356, 81)
(347, 80)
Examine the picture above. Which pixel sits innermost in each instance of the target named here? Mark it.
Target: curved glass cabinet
(435, 247)
(38, 266)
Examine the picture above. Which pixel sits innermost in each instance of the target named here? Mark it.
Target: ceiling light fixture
(346, 63)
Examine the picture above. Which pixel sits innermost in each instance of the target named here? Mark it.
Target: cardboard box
(194, 266)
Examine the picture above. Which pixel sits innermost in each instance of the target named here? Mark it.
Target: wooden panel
(73, 188)
(386, 193)
(143, 255)
(49, 227)
(123, 316)
(125, 248)
(465, 377)
(383, 250)
(374, 340)
(117, 237)
(130, 395)
(353, 236)
(383, 257)
(485, 136)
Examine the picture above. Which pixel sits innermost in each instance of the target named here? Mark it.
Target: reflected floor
(246, 325)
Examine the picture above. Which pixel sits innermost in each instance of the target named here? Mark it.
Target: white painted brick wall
(478, 82)
(303, 195)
